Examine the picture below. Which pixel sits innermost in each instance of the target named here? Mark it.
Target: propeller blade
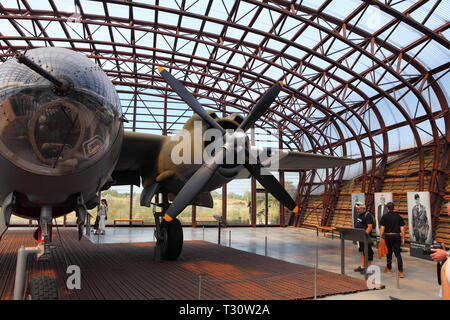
(271, 184)
(193, 187)
(261, 106)
(187, 97)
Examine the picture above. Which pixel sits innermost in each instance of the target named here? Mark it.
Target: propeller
(261, 106)
(203, 175)
(193, 187)
(189, 99)
(271, 184)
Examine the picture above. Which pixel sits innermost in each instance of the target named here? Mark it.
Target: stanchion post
(366, 257)
(203, 233)
(342, 255)
(265, 246)
(199, 287)
(229, 238)
(88, 225)
(396, 274)
(316, 266)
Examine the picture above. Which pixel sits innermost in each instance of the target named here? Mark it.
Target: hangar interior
(363, 79)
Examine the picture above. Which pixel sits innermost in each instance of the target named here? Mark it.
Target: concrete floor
(299, 246)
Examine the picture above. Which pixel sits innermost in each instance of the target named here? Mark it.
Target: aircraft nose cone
(56, 131)
(57, 135)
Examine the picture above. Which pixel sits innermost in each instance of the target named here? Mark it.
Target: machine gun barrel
(60, 84)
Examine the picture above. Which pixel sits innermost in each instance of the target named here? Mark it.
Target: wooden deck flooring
(127, 271)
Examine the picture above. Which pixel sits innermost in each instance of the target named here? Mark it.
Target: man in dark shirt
(392, 227)
(364, 220)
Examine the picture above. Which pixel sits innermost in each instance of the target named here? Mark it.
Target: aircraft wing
(138, 151)
(291, 160)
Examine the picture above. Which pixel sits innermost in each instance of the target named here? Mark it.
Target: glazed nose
(56, 132)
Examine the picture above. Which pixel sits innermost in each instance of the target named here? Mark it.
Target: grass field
(237, 210)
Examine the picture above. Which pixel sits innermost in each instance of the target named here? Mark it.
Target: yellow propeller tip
(167, 218)
(281, 83)
(160, 69)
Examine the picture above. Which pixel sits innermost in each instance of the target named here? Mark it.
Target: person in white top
(102, 213)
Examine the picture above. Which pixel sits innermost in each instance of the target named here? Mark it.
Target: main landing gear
(169, 235)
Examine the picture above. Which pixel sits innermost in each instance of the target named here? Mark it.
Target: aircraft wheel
(36, 234)
(172, 239)
(42, 288)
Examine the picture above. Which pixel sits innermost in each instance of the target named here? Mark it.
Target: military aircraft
(62, 141)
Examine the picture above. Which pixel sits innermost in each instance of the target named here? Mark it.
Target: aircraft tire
(42, 288)
(172, 243)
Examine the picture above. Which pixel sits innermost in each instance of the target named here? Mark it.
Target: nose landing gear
(41, 287)
(82, 214)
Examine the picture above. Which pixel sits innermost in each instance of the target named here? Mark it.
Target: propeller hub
(235, 144)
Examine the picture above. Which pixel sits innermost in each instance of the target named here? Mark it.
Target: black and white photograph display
(381, 200)
(419, 217)
(356, 197)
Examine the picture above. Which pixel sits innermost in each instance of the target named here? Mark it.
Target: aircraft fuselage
(55, 145)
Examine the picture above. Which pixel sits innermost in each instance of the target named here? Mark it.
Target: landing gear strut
(169, 235)
(6, 211)
(82, 214)
(42, 287)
